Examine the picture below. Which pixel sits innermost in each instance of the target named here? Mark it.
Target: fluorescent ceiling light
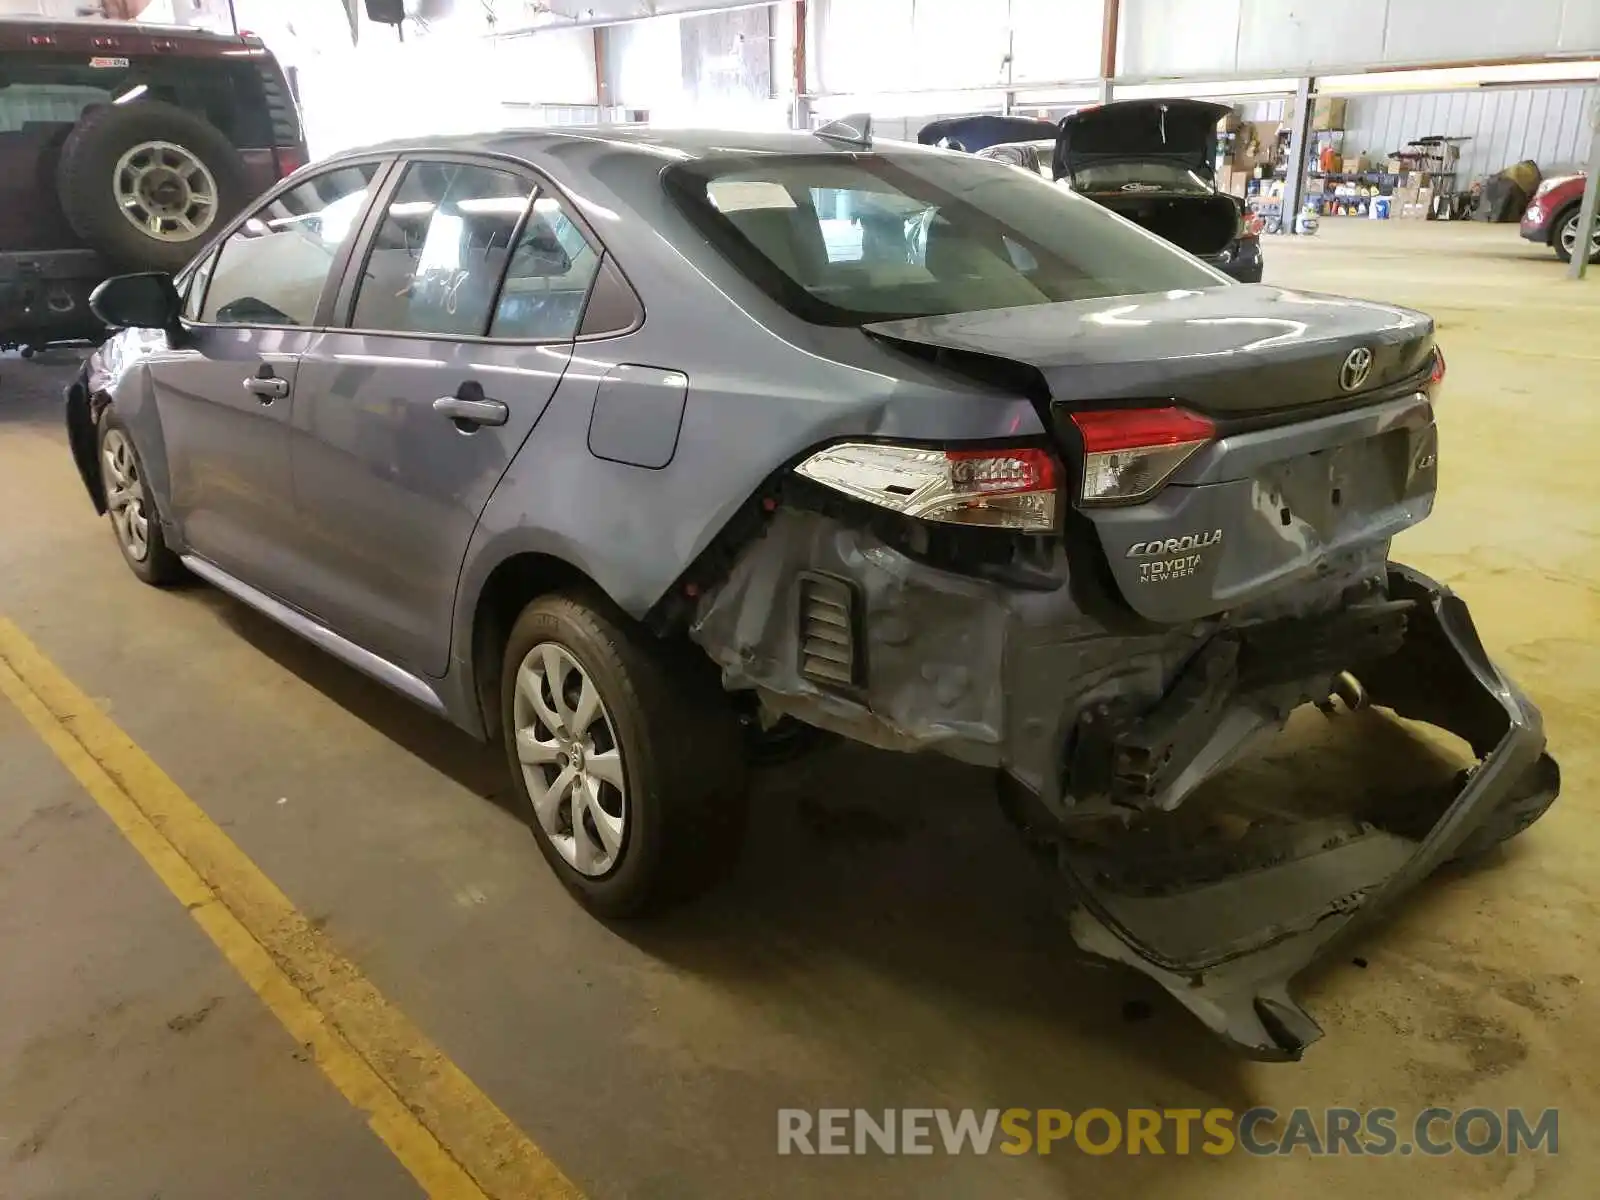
(1448, 78)
(1212, 88)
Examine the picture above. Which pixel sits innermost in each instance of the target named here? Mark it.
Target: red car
(1552, 217)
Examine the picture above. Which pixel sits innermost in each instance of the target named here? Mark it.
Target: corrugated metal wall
(1548, 125)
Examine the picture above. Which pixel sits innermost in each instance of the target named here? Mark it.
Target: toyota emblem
(1357, 366)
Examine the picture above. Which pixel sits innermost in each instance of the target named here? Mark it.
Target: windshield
(846, 241)
(1141, 175)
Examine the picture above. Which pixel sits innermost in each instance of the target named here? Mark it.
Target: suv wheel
(146, 184)
(1566, 239)
(626, 754)
(132, 512)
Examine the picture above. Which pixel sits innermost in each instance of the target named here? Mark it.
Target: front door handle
(267, 388)
(469, 408)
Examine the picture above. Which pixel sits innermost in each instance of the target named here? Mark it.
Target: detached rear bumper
(1227, 946)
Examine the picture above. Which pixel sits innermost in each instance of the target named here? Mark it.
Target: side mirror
(386, 12)
(148, 300)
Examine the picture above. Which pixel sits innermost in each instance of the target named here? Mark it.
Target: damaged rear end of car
(1124, 603)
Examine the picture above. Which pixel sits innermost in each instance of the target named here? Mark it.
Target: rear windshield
(844, 241)
(51, 88)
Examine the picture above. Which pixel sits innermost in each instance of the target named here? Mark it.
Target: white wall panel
(1277, 35)
(1419, 30)
(1178, 37)
(1548, 125)
(864, 45)
(1192, 37)
(1056, 39)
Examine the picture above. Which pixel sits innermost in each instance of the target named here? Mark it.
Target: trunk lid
(1312, 469)
(1179, 132)
(982, 130)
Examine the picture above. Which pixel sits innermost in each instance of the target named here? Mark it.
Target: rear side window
(849, 240)
(271, 270)
(549, 278)
(468, 250)
(437, 257)
(55, 88)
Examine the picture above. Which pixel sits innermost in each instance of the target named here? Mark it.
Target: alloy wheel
(166, 192)
(1569, 237)
(571, 760)
(125, 496)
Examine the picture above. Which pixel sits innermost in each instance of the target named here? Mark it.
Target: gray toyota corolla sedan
(639, 451)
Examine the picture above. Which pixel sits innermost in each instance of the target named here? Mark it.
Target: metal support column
(1294, 178)
(1579, 266)
(801, 116)
(1108, 48)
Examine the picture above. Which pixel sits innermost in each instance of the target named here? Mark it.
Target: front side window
(437, 258)
(844, 241)
(271, 270)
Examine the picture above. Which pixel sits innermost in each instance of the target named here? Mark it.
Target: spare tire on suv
(147, 184)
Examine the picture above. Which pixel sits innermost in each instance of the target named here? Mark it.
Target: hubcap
(125, 495)
(1569, 237)
(570, 759)
(166, 192)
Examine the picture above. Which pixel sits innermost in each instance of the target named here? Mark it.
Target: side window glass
(549, 277)
(272, 269)
(437, 257)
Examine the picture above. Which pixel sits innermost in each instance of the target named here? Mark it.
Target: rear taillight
(290, 160)
(1130, 452)
(1011, 488)
(1436, 376)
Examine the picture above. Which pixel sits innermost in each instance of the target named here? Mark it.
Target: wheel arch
(83, 430)
(507, 589)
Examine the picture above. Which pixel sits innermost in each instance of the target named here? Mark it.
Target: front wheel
(626, 754)
(1566, 239)
(132, 510)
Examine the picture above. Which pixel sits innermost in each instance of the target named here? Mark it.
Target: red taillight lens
(1009, 487)
(290, 160)
(1437, 375)
(1130, 452)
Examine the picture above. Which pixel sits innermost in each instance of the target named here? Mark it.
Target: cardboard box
(1395, 166)
(1357, 164)
(1423, 205)
(1327, 113)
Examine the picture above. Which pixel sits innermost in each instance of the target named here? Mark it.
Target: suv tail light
(1437, 375)
(1130, 452)
(290, 160)
(1010, 488)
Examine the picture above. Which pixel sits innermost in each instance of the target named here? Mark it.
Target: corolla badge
(1166, 559)
(1357, 366)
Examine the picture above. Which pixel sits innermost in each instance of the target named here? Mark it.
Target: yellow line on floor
(443, 1129)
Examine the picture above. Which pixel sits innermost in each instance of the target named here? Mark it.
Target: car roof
(681, 144)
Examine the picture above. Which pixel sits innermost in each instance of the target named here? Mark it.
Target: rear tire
(130, 508)
(147, 184)
(635, 792)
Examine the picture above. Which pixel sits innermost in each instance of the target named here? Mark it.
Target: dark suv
(124, 147)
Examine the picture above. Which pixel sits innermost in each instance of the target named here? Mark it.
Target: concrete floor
(883, 943)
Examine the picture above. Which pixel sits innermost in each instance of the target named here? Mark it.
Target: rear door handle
(267, 388)
(469, 408)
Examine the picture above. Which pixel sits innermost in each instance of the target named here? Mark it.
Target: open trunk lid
(1324, 444)
(1180, 132)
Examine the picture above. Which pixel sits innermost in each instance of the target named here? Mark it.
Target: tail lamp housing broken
(1012, 487)
(1129, 453)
